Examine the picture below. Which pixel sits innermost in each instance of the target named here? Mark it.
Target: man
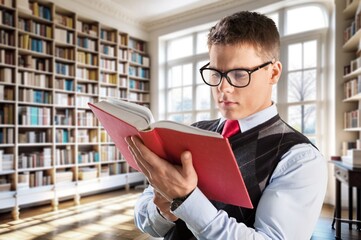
(285, 175)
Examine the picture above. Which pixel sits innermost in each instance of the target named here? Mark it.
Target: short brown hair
(247, 28)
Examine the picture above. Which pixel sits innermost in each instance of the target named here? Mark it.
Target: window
(298, 92)
(188, 99)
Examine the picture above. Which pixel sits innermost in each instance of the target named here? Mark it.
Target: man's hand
(171, 181)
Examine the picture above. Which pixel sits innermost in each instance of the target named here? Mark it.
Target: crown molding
(193, 13)
(107, 7)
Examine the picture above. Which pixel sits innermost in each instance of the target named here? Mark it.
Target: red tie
(230, 128)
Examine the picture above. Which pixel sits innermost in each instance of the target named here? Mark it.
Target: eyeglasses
(238, 77)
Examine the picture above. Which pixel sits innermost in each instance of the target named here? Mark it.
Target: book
(219, 177)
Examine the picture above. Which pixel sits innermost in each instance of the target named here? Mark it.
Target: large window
(298, 94)
(187, 99)
(299, 91)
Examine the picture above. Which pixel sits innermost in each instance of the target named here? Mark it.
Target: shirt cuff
(196, 211)
(160, 224)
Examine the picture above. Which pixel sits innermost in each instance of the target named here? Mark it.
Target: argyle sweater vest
(257, 152)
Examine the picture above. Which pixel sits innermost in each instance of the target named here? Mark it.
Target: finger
(187, 164)
(137, 154)
(151, 158)
(139, 163)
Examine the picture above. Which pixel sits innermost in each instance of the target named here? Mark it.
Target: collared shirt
(288, 209)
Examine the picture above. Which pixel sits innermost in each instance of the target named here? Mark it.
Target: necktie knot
(230, 128)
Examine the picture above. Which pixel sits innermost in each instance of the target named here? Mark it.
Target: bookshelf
(351, 75)
(52, 63)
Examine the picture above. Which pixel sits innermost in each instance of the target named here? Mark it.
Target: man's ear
(276, 72)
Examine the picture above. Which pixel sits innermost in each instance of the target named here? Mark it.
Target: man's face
(237, 103)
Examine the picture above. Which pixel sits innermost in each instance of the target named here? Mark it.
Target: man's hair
(250, 28)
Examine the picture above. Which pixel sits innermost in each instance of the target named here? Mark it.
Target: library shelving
(52, 63)
(351, 52)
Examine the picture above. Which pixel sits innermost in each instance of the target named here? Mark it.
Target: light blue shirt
(288, 209)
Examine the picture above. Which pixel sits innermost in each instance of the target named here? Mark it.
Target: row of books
(64, 136)
(87, 74)
(138, 97)
(34, 44)
(7, 114)
(63, 117)
(34, 27)
(33, 179)
(87, 28)
(64, 84)
(109, 78)
(139, 85)
(109, 153)
(64, 156)
(6, 161)
(87, 58)
(7, 18)
(63, 36)
(107, 64)
(7, 56)
(140, 59)
(139, 72)
(88, 157)
(64, 69)
(34, 79)
(82, 101)
(35, 63)
(6, 135)
(351, 30)
(88, 88)
(34, 115)
(86, 118)
(64, 99)
(40, 136)
(35, 159)
(64, 20)
(107, 50)
(87, 136)
(6, 75)
(104, 137)
(63, 52)
(108, 92)
(352, 119)
(87, 43)
(6, 93)
(109, 36)
(7, 37)
(40, 10)
(35, 96)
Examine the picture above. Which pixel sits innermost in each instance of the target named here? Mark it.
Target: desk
(350, 176)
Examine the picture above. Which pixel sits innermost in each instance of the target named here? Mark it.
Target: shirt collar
(256, 119)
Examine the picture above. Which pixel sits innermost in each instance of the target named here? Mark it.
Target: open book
(219, 177)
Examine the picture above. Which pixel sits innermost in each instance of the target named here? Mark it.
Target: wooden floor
(110, 216)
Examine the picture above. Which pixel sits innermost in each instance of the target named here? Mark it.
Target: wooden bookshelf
(351, 75)
(52, 63)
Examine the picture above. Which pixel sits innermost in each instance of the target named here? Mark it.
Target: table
(350, 176)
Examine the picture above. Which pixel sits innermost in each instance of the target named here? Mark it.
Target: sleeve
(288, 209)
(147, 218)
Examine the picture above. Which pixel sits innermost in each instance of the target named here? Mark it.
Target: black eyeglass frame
(224, 74)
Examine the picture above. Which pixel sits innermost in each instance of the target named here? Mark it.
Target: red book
(219, 177)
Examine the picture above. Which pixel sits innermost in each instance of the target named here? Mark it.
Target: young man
(285, 174)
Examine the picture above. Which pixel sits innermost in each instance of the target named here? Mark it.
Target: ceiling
(149, 13)
(151, 10)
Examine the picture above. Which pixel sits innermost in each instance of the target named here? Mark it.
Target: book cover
(219, 177)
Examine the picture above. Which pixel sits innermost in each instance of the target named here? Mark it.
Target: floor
(109, 216)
